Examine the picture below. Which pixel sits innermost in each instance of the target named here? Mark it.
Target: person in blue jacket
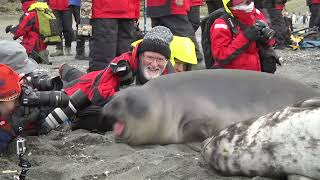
(75, 6)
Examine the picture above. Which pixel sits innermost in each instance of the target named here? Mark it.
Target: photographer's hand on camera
(123, 71)
(253, 33)
(266, 32)
(22, 117)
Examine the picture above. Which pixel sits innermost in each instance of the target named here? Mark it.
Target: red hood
(25, 6)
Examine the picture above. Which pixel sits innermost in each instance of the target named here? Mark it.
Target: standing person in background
(213, 5)
(314, 7)
(28, 28)
(194, 18)
(231, 50)
(112, 30)
(173, 15)
(63, 14)
(274, 9)
(194, 13)
(74, 6)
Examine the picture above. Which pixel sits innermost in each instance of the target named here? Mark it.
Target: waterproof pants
(279, 26)
(110, 38)
(65, 23)
(214, 5)
(315, 15)
(75, 10)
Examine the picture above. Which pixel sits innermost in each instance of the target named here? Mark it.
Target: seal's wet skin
(285, 143)
(192, 106)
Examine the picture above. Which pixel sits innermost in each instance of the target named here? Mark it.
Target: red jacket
(28, 28)
(158, 8)
(116, 9)
(196, 2)
(315, 1)
(100, 86)
(225, 44)
(60, 5)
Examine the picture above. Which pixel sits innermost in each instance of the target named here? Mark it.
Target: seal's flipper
(196, 130)
(298, 177)
(313, 102)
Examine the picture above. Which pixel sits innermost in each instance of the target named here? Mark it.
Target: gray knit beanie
(157, 40)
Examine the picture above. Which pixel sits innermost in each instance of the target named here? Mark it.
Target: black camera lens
(32, 98)
(58, 116)
(268, 33)
(44, 82)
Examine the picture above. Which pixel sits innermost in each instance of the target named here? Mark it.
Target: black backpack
(205, 34)
(268, 57)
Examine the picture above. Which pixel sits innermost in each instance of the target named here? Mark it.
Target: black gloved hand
(8, 28)
(123, 71)
(252, 33)
(20, 119)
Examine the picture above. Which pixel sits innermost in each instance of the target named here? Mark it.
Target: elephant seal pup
(192, 106)
(279, 144)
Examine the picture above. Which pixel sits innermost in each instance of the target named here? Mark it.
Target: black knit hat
(157, 40)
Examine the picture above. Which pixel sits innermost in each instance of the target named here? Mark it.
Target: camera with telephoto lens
(43, 82)
(266, 31)
(58, 116)
(33, 98)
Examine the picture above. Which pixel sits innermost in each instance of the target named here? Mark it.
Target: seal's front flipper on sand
(298, 177)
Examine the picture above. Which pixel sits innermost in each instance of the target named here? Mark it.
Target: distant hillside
(297, 6)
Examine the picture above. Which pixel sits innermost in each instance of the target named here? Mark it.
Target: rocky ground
(84, 155)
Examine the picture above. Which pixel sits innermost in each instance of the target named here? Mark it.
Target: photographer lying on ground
(22, 104)
(148, 60)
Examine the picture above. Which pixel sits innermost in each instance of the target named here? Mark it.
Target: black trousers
(80, 48)
(110, 38)
(65, 23)
(213, 5)
(279, 26)
(180, 26)
(69, 73)
(315, 15)
(194, 17)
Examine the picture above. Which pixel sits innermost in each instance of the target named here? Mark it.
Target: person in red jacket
(238, 50)
(173, 14)
(28, 29)
(148, 60)
(112, 30)
(63, 14)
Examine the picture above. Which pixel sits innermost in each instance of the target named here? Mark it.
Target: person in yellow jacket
(183, 54)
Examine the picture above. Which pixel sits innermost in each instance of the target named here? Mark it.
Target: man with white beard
(149, 59)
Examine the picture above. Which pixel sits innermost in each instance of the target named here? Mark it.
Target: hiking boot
(59, 52)
(81, 57)
(67, 51)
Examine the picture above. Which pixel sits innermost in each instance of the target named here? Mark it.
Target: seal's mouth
(119, 128)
